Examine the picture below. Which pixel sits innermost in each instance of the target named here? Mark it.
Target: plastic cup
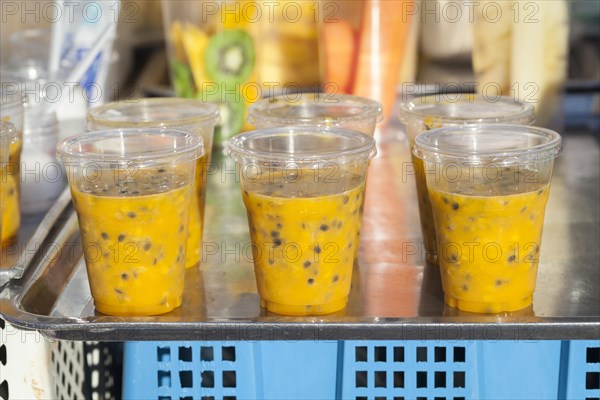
(316, 109)
(428, 112)
(8, 136)
(132, 190)
(303, 188)
(170, 113)
(488, 186)
(11, 110)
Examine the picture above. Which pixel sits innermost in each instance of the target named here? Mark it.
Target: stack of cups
(483, 185)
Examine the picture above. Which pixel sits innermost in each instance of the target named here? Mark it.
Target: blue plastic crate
(362, 370)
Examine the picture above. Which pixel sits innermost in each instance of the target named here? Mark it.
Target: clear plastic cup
(488, 186)
(170, 113)
(8, 136)
(11, 110)
(303, 188)
(316, 109)
(132, 190)
(428, 112)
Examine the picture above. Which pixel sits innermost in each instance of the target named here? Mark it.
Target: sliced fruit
(232, 112)
(339, 46)
(229, 57)
(176, 33)
(195, 42)
(182, 79)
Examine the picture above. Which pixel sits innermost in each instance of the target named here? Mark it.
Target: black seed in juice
(131, 214)
(540, 191)
(506, 202)
(524, 209)
(271, 261)
(11, 191)
(119, 291)
(464, 287)
(274, 234)
(106, 255)
(511, 258)
(124, 276)
(335, 278)
(147, 246)
(311, 281)
(306, 264)
(279, 226)
(121, 237)
(104, 235)
(453, 258)
(317, 249)
(155, 261)
(446, 201)
(276, 242)
(324, 227)
(455, 206)
(180, 228)
(161, 170)
(499, 282)
(346, 199)
(303, 226)
(246, 192)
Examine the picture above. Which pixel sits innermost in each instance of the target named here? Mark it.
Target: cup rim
(525, 114)
(550, 149)
(365, 149)
(8, 132)
(208, 112)
(261, 110)
(192, 149)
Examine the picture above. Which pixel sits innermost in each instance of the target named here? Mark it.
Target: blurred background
(234, 52)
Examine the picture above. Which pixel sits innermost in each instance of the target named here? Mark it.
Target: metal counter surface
(395, 293)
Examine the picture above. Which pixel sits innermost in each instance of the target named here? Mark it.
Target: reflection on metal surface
(395, 293)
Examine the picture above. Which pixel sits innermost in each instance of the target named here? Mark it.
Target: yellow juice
(488, 247)
(304, 247)
(10, 180)
(134, 235)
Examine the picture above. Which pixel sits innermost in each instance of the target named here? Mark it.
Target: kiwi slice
(231, 111)
(229, 56)
(182, 79)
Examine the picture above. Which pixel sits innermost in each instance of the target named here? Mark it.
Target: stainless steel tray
(395, 294)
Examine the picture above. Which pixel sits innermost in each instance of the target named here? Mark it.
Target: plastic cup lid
(457, 109)
(167, 112)
(315, 109)
(144, 147)
(497, 143)
(302, 144)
